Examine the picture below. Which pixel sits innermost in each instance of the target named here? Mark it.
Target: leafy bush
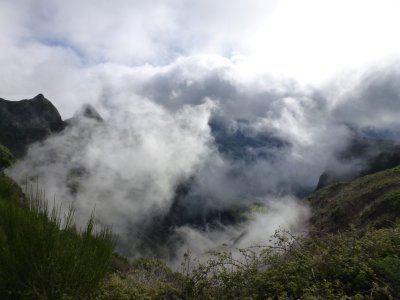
(347, 266)
(146, 278)
(43, 256)
(352, 265)
(10, 191)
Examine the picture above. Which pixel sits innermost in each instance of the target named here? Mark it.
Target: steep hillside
(42, 254)
(6, 158)
(352, 265)
(372, 200)
(10, 191)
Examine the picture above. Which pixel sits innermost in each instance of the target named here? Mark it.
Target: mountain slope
(372, 200)
(6, 158)
(42, 253)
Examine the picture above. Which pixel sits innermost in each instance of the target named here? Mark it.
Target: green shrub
(10, 191)
(159, 280)
(146, 278)
(6, 158)
(43, 256)
(347, 266)
(351, 265)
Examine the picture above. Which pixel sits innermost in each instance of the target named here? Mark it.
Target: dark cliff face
(27, 121)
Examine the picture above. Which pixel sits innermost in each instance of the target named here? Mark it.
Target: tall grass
(44, 256)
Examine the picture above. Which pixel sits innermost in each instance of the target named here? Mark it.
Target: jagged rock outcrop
(27, 121)
(87, 112)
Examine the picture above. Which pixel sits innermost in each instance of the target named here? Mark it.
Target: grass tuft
(44, 256)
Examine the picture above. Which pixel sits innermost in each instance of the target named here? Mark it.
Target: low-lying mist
(200, 155)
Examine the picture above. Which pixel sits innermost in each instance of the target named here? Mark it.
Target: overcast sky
(72, 51)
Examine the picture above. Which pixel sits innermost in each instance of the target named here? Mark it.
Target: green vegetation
(347, 266)
(362, 261)
(10, 191)
(352, 265)
(42, 255)
(6, 157)
(144, 278)
(370, 201)
(245, 210)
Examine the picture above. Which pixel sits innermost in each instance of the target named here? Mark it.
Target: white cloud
(310, 40)
(127, 168)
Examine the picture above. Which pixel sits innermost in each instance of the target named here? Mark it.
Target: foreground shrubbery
(352, 265)
(43, 256)
(346, 266)
(6, 157)
(145, 278)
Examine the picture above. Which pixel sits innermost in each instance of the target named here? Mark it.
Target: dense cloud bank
(64, 48)
(186, 148)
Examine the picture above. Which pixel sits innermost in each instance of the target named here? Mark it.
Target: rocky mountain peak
(27, 121)
(88, 111)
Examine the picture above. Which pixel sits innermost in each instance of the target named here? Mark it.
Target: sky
(235, 99)
(64, 49)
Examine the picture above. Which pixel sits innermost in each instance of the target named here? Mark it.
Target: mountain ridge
(27, 121)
